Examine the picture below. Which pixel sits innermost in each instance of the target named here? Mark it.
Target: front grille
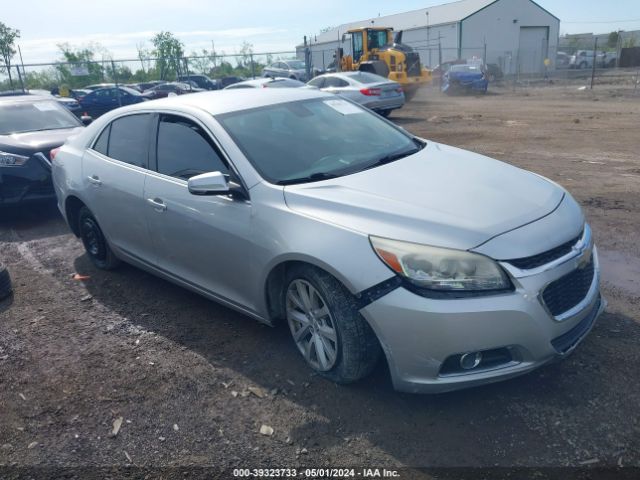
(413, 64)
(543, 258)
(568, 291)
(567, 341)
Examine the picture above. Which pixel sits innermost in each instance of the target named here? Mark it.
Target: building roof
(438, 15)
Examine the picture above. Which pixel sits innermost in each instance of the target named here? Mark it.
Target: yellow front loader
(373, 49)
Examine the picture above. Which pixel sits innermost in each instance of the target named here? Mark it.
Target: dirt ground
(194, 381)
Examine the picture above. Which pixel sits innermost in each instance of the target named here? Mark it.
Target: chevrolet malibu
(293, 205)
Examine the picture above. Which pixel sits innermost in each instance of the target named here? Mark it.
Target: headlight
(12, 160)
(440, 269)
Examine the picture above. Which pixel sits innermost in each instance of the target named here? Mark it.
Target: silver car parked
(295, 205)
(295, 69)
(266, 82)
(373, 91)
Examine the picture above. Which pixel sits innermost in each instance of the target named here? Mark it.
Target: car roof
(25, 98)
(255, 81)
(225, 101)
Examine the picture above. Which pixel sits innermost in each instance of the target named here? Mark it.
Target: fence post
(20, 78)
(253, 70)
(115, 79)
(593, 67)
(23, 70)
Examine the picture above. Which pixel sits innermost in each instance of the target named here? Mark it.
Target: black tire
(385, 113)
(5, 283)
(94, 241)
(358, 349)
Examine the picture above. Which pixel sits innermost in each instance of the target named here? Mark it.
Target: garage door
(534, 48)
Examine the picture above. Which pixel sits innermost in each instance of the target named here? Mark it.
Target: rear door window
(335, 82)
(129, 138)
(317, 82)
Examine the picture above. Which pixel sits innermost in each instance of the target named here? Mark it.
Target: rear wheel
(95, 242)
(385, 113)
(326, 326)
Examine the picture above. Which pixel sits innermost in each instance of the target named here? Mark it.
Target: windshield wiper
(391, 157)
(314, 177)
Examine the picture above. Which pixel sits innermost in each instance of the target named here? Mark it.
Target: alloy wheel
(312, 325)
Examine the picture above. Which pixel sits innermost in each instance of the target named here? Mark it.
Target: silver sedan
(296, 206)
(373, 91)
(294, 69)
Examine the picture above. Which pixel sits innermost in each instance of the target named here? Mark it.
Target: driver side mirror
(210, 183)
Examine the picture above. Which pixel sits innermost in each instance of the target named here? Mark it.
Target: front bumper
(419, 334)
(27, 183)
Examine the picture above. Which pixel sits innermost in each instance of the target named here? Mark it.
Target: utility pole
(307, 58)
(19, 74)
(429, 38)
(593, 67)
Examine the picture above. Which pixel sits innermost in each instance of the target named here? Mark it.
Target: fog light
(470, 360)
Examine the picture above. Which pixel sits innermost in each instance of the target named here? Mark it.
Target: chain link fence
(48, 76)
(504, 67)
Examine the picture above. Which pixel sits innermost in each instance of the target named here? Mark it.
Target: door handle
(93, 179)
(157, 204)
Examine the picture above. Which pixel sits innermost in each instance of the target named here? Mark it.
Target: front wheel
(329, 332)
(95, 242)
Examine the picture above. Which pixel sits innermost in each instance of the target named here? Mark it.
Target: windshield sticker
(45, 106)
(345, 108)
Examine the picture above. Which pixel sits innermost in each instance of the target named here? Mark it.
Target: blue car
(464, 79)
(104, 100)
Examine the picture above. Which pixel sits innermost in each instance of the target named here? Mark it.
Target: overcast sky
(274, 25)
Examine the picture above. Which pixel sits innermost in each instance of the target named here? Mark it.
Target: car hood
(440, 196)
(32, 142)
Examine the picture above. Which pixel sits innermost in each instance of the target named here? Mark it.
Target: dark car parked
(202, 81)
(30, 127)
(230, 80)
(104, 100)
(162, 91)
(98, 86)
(143, 86)
(464, 79)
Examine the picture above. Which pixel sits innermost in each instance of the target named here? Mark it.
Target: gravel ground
(191, 382)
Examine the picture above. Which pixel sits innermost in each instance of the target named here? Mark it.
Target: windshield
(30, 117)
(315, 139)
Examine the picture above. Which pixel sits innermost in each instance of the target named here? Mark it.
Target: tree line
(92, 63)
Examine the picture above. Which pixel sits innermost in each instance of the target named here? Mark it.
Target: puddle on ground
(620, 270)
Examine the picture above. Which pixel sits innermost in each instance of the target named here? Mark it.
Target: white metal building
(515, 34)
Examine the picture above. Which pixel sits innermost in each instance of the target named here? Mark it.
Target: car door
(201, 239)
(114, 171)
